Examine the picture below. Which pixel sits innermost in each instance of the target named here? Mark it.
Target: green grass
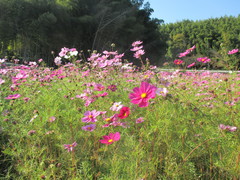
(179, 138)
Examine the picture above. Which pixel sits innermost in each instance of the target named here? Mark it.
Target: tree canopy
(32, 29)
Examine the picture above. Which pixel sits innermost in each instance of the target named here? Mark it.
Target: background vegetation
(33, 29)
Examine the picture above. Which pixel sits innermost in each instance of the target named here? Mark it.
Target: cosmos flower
(124, 112)
(227, 128)
(89, 127)
(233, 51)
(178, 61)
(14, 96)
(142, 94)
(116, 106)
(111, 138)
(90, 116)
(70, 147)
(203, 59)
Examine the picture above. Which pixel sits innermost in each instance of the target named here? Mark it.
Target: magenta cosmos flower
(203, 59)
(233, 51)
(142, 94)
(70, 147)
(90, 116)
(111, 138)
(178, 61)
(124, 112)
(14, 96)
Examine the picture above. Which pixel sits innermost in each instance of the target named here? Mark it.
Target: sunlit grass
(178, 139)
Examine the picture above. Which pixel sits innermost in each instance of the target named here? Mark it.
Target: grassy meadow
(105, 119)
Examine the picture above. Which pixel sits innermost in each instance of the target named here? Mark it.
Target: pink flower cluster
(137, 48)
(227, 128)
(106, 59)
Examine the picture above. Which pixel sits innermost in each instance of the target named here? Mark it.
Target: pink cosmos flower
(142, 94)
(31, 132)
(90, 116)
(52, 119)
(111, 138)
(89, 127)
(70, 147)
(136, 48)
(203, 59)
(139, 120)
(99, 87)
(191, 65)
(124, 112)
(184, 54)
(228, 128)
(116, 106)
(139, 53)
(14, 96)
(112, 87)
(136, 43)
(26, 99)
(233, 51)
(178, 61)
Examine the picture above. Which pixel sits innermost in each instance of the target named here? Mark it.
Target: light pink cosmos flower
(233, 51)
(90, 116)
(136, 43)
(139, 53)
(58, 61)
(70, 147)
(111, 138)
(2, 81)
(136, 48)
(162, 91)
(116, 106)
(52, 119)
(142, 94)
(228, 128)
(89, 127)
(139, 120)
(14, 96)
(203, 59)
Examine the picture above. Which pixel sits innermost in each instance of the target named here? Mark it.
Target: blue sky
(176, 10)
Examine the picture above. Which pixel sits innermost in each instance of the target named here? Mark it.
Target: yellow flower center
(143, 95)
(110, 140)
(90, 116)
(108, 119)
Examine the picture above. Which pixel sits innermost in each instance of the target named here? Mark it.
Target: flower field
(104, 118)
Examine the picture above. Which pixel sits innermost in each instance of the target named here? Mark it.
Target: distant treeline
(213, 38)
(33, 29)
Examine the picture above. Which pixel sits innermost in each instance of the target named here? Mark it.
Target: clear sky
(176, 10)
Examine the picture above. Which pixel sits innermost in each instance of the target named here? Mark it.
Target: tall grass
(179, 138)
